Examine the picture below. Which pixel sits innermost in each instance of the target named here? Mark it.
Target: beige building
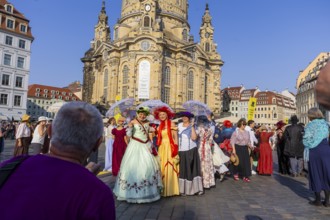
(305, 87)
(271, 107)
(153, 56)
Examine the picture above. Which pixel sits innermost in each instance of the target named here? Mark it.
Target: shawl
(186, 131)
(315, 131)
(174, 147)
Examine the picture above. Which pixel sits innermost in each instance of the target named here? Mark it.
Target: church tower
(152, 55)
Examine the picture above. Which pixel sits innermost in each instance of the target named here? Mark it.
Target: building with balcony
(15, 51)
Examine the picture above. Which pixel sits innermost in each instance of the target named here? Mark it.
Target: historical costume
(139, 178)
(190, 180)
(119, 146)
(23, 137)
(168, 151)
(205, 134)
(317, 153)
(265, 162)
(109, 145)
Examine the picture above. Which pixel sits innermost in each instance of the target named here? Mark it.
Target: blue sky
(263, 43)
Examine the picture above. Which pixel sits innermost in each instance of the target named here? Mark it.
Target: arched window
(125, 74)
(185, 34)
(116, 34)
(166, 78)
(106, 78)
(146, 21)
(205, 90)
(190, 87)
(105, 84)
(207, 47)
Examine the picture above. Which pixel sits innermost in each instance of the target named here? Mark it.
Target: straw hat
(42, 118)
(25, 117)
(234, 159)
(262, 128)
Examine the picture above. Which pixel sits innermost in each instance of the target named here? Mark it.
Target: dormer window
(37, 89)
(10, 24)
(9, 8)
(23, 28)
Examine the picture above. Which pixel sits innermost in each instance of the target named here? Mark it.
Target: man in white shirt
(253, 141)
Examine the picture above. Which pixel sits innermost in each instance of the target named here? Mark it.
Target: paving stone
(269, 197)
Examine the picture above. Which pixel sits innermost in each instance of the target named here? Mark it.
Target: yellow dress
(169, 167)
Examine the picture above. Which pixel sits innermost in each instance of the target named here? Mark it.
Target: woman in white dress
(139, 179)
(109, 144)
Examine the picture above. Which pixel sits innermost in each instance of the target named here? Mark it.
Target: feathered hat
(143, 109)
(227, 124)
(185, 114)
(167, 110)
(280, 125)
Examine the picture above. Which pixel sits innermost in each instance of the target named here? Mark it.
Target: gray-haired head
(78, 125)
(314, 113)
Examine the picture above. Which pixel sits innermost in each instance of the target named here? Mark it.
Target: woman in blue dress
(139, 179)
(317, 153)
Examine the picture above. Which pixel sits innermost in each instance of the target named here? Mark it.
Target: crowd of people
(150, 159)
(189, 156)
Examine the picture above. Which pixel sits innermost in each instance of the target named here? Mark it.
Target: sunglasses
(244, 124)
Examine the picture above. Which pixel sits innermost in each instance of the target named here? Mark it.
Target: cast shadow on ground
(296, 186)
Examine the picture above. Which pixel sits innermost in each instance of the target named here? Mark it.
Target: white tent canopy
(4, 117)
(55, 107)
(232, 119)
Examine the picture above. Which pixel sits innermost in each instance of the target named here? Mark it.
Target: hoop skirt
(139, 179)
(169, 167)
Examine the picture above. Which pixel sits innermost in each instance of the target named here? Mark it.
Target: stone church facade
(153, 56)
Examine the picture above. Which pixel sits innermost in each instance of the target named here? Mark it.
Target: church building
(152, 55)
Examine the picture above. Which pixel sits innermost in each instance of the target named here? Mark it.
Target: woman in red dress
(265, 162)
(119, 145)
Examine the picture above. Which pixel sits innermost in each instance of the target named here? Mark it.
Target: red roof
(19, 19)
(50, 92)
